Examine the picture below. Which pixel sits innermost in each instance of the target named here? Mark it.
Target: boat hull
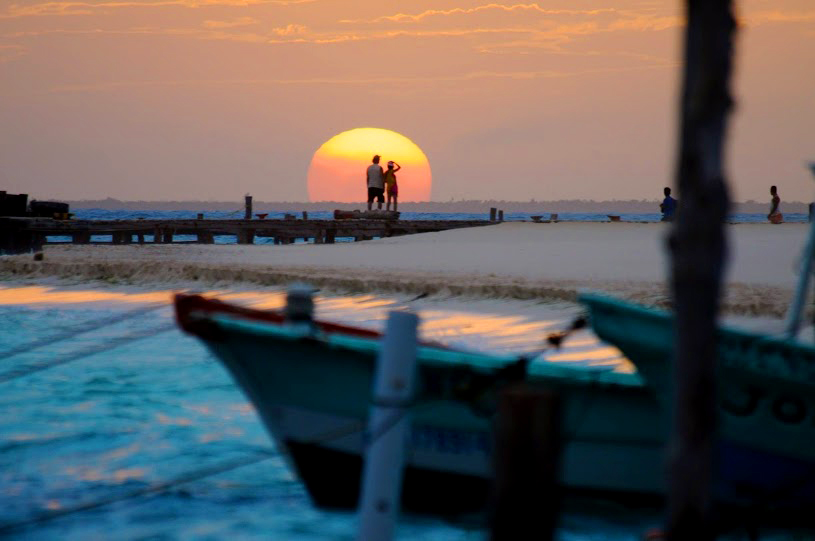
(766, 393)
(313, 395)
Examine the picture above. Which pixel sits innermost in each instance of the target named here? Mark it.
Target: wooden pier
(19, 235)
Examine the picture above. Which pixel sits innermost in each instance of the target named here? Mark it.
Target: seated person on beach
(391, 188)
(775, 216)
(375, 181)
(668, 206)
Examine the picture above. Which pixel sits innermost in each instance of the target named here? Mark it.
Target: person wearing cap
(391, 188)
(375, 180)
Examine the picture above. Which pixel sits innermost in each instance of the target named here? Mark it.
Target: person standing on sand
(375, 181)
(668, 206)
(391, 188)
(775, 216)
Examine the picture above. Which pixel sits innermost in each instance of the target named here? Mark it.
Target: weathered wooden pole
(305, 215)
(526, 497)
(501, 215)
(699, 251)
(247, 215)
(492, 213)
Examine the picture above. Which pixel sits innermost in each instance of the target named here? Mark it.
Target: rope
(114, 343)
(555, 339)
(160, 486)
(81, 328)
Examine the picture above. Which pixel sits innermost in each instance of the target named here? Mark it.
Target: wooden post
(200, 215)
(246, 236)
(698, 255)
(330, 234)
(526, 497)
(141, 237)
(305, 215)
(81, 237)
(156, 235)
(500, 215)
(247, 207)
(168, 236)
(492, 213)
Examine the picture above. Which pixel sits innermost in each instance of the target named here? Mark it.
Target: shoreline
(520, 261)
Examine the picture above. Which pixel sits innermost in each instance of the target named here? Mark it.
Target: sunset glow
(337, 170)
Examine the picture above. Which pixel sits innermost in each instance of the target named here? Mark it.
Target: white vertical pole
(797, 306)
(388, 427)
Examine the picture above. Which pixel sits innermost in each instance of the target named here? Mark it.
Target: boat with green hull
(311, 385)
(766, 395)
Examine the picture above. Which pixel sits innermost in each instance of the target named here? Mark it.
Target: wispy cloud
(405, 17)
(234, 23)
(88, 8)
(10, 52)
(351, 81)
(762, 17)
(290, 30)
(289, 34)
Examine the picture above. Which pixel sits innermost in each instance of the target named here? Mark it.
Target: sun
(337, 169)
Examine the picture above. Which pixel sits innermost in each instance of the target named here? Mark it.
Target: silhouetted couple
(380, 182)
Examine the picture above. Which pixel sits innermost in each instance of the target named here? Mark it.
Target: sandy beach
(508, 260)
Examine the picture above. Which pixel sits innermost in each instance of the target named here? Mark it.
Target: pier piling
(247, 215)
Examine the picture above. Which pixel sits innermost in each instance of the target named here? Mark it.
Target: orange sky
(211, 99)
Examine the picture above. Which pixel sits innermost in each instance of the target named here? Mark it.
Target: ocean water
(104, 434)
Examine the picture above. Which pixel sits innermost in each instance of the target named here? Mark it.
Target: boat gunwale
(198, 315)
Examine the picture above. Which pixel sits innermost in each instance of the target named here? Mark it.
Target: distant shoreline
(569, 205)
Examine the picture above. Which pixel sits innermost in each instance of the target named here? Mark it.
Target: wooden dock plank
(164, 231)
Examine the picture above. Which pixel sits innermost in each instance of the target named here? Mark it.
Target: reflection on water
(496, 331)
(153, 409)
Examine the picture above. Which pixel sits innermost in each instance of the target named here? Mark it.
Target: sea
(116, 425)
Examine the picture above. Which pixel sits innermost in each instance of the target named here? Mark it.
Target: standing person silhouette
(375, 181)
(391, 188)
(775, 216)
(668, 206)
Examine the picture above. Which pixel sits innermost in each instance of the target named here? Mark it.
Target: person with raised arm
(391, 188)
